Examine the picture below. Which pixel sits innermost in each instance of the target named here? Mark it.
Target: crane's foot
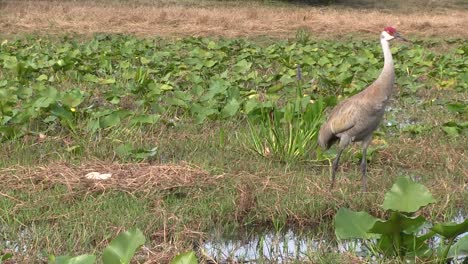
(333, 179)
(364, 187)
(364, 175)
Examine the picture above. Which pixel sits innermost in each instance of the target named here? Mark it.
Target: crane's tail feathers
(326, 137)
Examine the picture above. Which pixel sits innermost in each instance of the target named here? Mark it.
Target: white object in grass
(98, 176)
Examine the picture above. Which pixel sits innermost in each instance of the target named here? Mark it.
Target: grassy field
(181, 182)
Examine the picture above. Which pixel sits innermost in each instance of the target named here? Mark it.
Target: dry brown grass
(136, 177)
(229, 21)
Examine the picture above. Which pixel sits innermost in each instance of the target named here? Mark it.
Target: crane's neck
(388, 69)
(382, 87)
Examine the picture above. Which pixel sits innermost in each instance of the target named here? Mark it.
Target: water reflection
(289, 246)
(271, 246)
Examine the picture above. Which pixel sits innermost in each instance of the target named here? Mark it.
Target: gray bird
(357, 117)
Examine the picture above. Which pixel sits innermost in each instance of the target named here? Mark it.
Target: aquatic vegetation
(404, 234)
(84, 86)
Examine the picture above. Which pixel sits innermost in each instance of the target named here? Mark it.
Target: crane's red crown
(390, 30)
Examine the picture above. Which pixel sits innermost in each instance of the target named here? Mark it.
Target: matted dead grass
(87, 17)
(134, 177)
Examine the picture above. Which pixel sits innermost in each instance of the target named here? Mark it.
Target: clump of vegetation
(114, 97)
(288, 133)
(81, 88)
(120, 250)
(404, 234)
(185, 258)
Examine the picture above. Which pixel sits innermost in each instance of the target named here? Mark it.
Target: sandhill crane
(356, 118)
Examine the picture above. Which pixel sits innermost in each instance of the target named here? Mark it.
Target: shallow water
(288, 246)
(269, 247)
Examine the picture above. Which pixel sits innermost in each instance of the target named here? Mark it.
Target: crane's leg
(335, 167)
(344, 142)
(365, 144)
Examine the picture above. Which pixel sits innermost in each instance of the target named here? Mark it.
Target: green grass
(59, 221)
(248, 193)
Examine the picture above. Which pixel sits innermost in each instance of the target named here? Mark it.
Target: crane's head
(390, 33)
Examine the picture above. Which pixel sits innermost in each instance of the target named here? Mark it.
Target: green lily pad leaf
(397, 223)
(323, 60)
(209, 63)
(463, 125)
(407, 196)
(144, 60)
(202, 112)
(176, 102)
(449, 230)
(185, 258)
(10, 62)
(7, 256)
(460, 248)
(230, 109)
(82, 259)
(93, 125)
(145, 119)
(124, 150)
(166, 87)
(349, 224)
(73, 98)
(42, 77)
(385, 246)
(413, 245)
(416, 246)
(107, 81)
(62, 113)
(456, 107)
(123, 247)
(43, 102)
(285, 80)
(242, 66)
(250, 105)
(275, 88)
(115, 100)
(91, 78)
(49, 96)
(110, 120)
(212, 45)
(451, 130)
(186, 97)
(142, 154)
(216, 87)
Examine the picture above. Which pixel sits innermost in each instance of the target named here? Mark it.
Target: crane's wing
(343, 117)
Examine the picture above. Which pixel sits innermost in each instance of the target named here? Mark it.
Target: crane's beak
(397, 35)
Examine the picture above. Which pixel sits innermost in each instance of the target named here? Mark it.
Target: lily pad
(349, 224)
(185, 258)
(407, 196)
(449, 230)
(460, 248)
(397, 223)
(82, 259)
(123, 247)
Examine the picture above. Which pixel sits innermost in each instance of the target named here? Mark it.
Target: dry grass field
(223, 20)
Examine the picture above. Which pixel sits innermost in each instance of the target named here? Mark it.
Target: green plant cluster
(121, 250)
(289, 133)
(405, 234)
(84, 86)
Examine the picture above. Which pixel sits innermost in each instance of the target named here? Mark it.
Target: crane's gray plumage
(357, 117)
